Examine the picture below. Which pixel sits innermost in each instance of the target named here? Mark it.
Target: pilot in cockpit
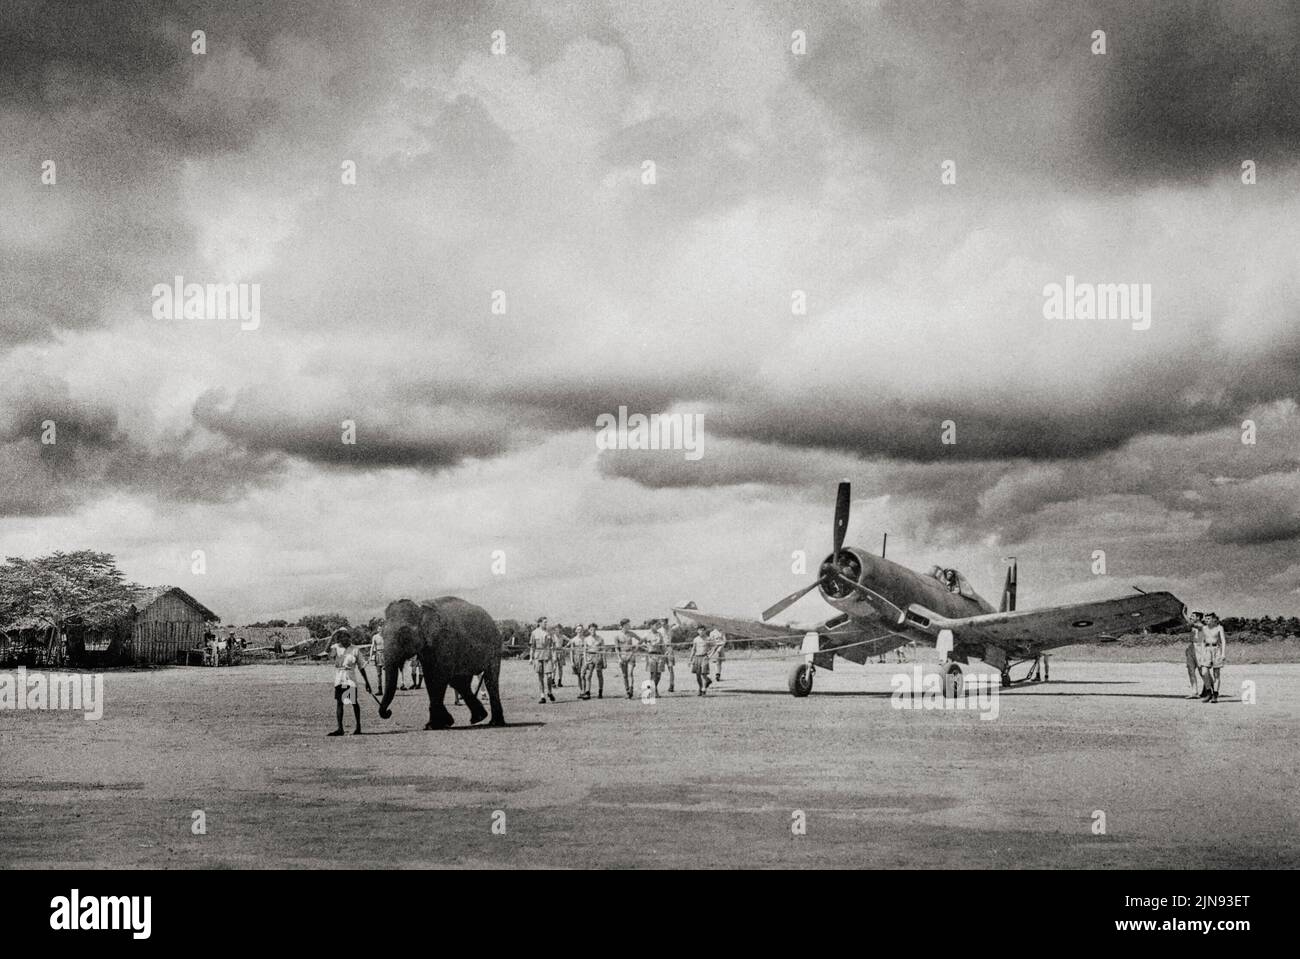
(949, 577)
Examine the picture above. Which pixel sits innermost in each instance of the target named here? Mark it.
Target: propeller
(841, 517)
(790, 600)
(828, 569)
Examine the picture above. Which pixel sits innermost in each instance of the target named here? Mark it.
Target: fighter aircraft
(884, 605)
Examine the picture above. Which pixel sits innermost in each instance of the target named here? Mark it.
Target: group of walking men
(550, 649)
(1206, 654)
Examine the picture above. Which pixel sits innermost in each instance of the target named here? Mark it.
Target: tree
(49, 593)
(322, 624)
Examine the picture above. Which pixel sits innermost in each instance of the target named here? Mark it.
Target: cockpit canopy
(954, 581)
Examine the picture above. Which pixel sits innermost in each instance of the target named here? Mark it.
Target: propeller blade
(837, 538)
(789, 601)
(841, 517)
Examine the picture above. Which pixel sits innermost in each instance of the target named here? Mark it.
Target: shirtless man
(1215, 645)
(629, 644)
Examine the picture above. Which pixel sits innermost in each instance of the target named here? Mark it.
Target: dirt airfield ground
(685, 782)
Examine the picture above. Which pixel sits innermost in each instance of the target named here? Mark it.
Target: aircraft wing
(1097, 622)
(736, 627)
(855, 640)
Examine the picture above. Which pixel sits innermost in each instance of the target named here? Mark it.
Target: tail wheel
(801, 680)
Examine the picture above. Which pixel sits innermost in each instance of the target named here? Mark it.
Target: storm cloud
(663, 210)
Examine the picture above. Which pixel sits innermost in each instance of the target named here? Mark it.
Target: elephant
(454, 641)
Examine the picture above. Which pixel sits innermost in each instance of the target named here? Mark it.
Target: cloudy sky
(523, 171)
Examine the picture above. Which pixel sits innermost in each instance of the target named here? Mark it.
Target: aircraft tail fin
(1008, 604)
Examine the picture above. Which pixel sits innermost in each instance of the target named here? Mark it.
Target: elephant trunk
(392, 676)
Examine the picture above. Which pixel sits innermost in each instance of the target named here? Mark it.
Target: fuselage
(892, 587)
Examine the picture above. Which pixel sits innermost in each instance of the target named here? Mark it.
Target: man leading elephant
(348, 663)
(453, 641)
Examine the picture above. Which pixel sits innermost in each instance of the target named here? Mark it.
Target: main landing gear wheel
(952, 681)
(801, 680)
(1006, 678)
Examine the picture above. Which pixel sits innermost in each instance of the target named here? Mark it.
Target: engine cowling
(846, 565)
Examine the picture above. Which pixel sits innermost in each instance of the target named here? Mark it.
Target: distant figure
(700, 660)
(628, 645)
(654, 660)
(670, 655)
(1215, 646)
(559, 653)
(539, 653)
(347, 662)
(718, 640)
(577, 652)
(377, 657)
(1197, 622)
(574, 643)
(417, 673)
(593, 663)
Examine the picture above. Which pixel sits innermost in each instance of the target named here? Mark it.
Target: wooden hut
(165, 622)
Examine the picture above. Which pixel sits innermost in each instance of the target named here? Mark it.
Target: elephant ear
(430, 617)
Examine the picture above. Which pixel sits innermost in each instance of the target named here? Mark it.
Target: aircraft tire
(801, 680)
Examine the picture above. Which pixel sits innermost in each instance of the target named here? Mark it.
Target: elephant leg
(439, 718)
(476, 711)
(490, 677)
